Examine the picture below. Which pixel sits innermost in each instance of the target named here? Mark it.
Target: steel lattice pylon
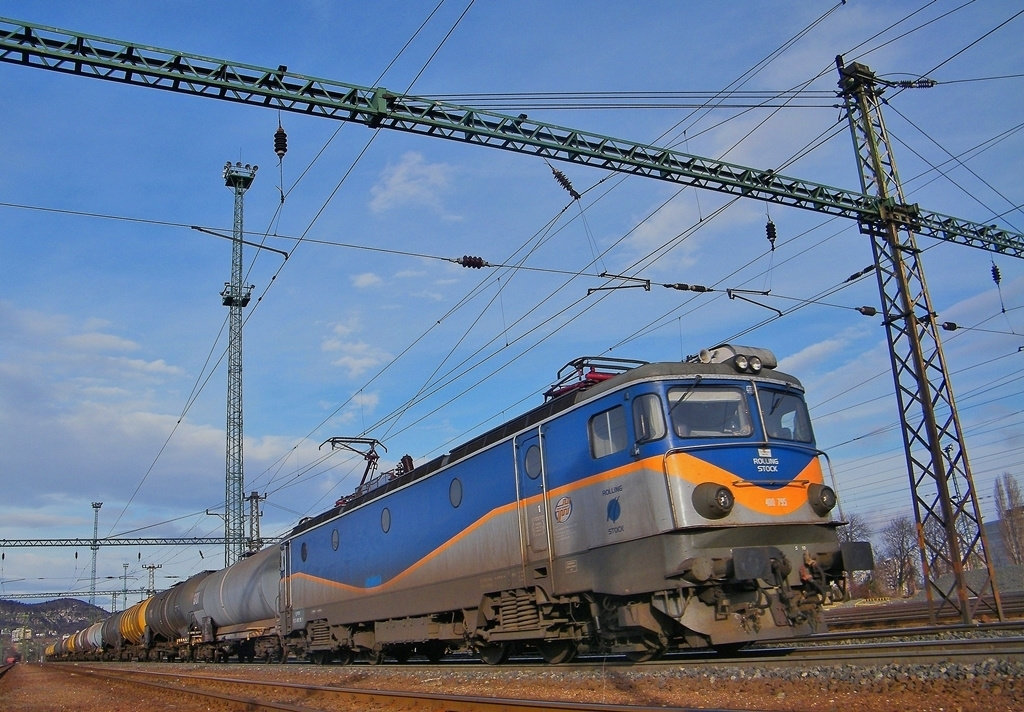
(95, 548)
(950, 534)
(236, 297)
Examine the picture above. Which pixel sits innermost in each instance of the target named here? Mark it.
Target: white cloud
(95, 341)
(158, 367)
(358, 407)
(339, 330)
(412, 182)
(366, 279)
(356, 355)
(359, 357)
(409, 274)
(812, 355)
(670, 223)
(432, 296)
(367, 401)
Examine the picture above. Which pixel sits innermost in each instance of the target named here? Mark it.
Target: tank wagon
(642, 507)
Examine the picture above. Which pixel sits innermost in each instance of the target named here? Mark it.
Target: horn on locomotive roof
(743, 358)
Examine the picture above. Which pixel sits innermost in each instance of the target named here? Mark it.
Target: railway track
(952, 643)
(911, 652)
(891, 613)
(825, 650)
(975, 674)
(278, 696)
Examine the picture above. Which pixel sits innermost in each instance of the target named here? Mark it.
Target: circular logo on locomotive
(563, 508)
(614, 509)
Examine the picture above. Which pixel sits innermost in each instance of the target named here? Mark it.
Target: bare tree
(856, 529)
(900, 556)
(858, 583)
(1011, 516)
(938, 541)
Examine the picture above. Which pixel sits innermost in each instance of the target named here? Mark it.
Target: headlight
(741, 362)
(755, 364)
(822, 499)
(712, 501)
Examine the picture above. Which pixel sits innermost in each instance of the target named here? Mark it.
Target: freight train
(643, 507)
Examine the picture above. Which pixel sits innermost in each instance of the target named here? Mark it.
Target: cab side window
(648, 418)
(608, 432)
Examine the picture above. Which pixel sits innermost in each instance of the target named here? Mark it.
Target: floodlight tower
(95, 548)
(236, 297)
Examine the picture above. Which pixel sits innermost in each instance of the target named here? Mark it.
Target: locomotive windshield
(719, 411)
(785, 416)
(709, 411)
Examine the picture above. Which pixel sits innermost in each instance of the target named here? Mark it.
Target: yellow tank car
(133, 622)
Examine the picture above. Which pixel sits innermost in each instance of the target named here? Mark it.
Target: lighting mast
(95, 548)
(236, 297)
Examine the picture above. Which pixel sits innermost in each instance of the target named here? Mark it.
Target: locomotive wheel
(730, 649)
(345, 656)
(402, 653)
(654, 648)
(643, 656)
(494, 653)
(375, 657)
(434, 650)
(556, 652)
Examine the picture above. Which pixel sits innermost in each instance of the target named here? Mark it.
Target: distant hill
(64, 615)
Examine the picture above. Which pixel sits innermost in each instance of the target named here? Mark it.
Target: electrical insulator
(563, 181)
(996, 277)
(916, 83)
(474, 262)
(867, 311)
(769, 229)
(950, 326)
(860, 274)
(280, 142)
(689, 287)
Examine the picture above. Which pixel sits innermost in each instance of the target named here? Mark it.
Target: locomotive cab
(751, 534)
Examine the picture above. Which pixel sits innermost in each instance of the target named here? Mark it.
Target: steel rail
(908, 631)
(902, 652)
(357, 698)
(904, 612)
(223, 700)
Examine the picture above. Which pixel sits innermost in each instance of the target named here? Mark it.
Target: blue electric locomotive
(643, 507)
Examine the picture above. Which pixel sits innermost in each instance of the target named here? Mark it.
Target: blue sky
(111, 322)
